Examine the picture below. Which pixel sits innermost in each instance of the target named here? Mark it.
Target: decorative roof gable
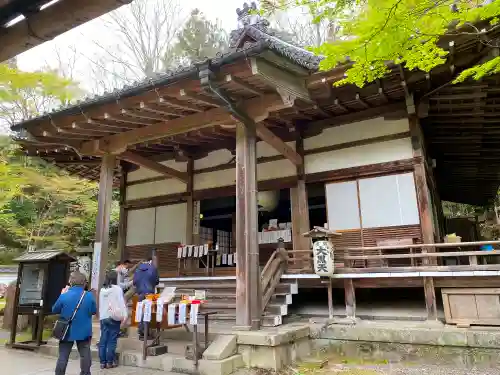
(253, 29)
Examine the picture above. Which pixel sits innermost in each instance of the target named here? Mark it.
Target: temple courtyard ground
(15, 362)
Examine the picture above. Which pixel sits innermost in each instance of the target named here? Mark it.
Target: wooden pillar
(248, 288)
(300, 208)
(189, 201)
(350, 299)
(122, 221)
(430, 298)
(101, 246)
(425, 210)
(424, 206)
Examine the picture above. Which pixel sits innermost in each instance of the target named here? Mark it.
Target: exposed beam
(281, 79)
(49, 23)
(198, 98)
(136, 159)
(245, 85)
(275, 142)
(257, 108)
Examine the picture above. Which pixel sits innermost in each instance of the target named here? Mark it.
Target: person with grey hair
(82, 304)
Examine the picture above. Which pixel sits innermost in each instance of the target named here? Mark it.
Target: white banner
(96, 266)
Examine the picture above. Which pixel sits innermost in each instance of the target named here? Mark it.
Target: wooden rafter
(257, 108)
(244, 85)
(136, 159)
(198, 98)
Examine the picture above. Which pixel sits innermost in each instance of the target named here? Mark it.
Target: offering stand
(172, 315)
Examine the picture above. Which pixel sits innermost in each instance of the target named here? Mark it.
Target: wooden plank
(430, 298)
(284, 81)
(419, 255)
(420, 269)
(154, 166)
(275, 142)
(52, 21)
(103, 219)
(422, 255)
(350, 298)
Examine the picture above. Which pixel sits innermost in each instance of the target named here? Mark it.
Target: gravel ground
(409, 370)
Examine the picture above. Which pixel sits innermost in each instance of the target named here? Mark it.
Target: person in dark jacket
(145, 281)
(80, 329)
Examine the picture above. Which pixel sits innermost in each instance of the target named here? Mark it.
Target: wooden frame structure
(267, 92)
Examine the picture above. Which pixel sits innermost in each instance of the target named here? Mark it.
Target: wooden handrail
(420, 246)
(268, 264)
(424, 255)
(272, 272)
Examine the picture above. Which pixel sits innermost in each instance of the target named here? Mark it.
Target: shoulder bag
(61, 325)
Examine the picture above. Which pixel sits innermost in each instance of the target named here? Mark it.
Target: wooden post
(425, 210)
(330, 299)
(424, 206)
(122, 223)
(350, 299)
(100, 256)
(430, 298)
(248, 288)
(300, 208)
(15, 306)
(189, 201)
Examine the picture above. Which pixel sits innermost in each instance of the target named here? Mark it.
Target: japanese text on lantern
(323, 258)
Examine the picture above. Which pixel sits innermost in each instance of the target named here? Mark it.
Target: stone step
(179, 364)
(268, 320)
(130, 354)
(281, 298)
(220, 285)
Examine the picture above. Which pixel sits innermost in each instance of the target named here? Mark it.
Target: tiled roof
(263, 38)
(36, 256)
(261, 31)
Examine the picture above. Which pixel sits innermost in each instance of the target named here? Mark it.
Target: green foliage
(198, 39)
(376, 32)
(25, 94)
(40, 205)
(44, 206)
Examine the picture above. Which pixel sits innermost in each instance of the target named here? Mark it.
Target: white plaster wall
(264, 149)
(275, 169)
(140, 227)
(209, 180)
(155, 188)
(143, 173)
(367, 129)
(171, 223)
(357, 156)
(213, 159)
(221, 157)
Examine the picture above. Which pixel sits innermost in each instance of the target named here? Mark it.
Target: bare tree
(142, 33)
(299, 23)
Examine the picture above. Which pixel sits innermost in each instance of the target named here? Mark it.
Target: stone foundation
(396, 342)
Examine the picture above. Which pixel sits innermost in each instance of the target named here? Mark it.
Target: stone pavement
(17, 362)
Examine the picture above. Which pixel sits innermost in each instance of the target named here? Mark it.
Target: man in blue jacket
(145, 281)
(80, 329)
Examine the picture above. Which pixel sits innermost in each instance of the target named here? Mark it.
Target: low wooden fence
(406, 258)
